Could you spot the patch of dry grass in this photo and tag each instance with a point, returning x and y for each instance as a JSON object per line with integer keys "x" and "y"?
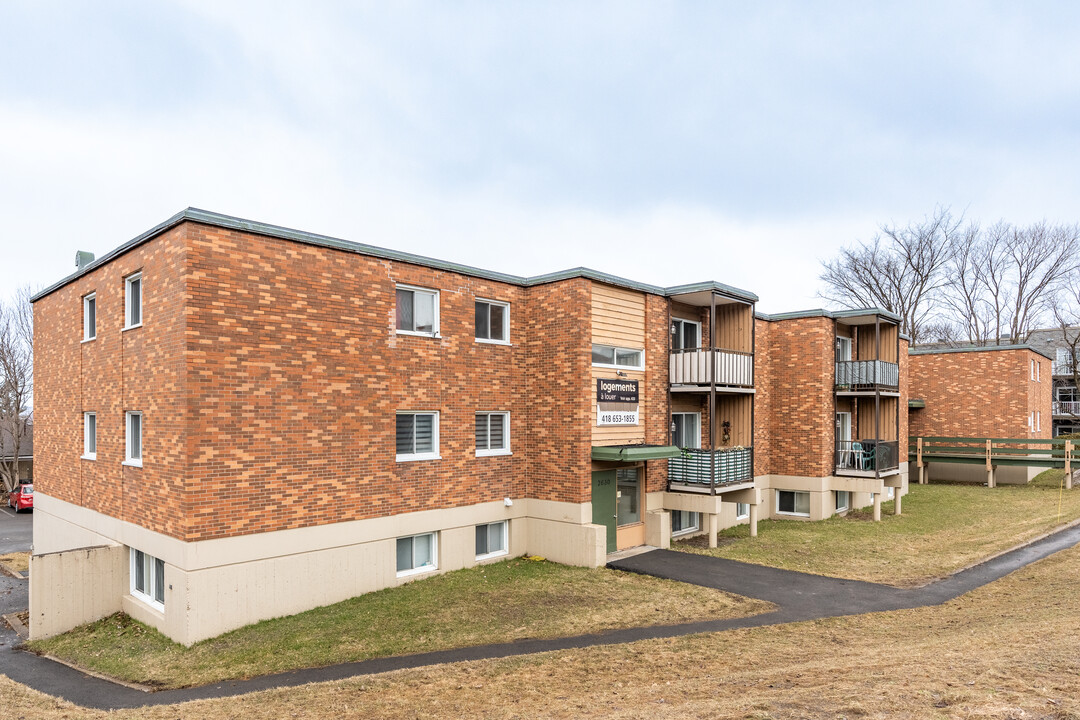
{"x": 19, "y": 562}
{"x": 944, "y": 528}
{"x": 494, "y": 603}
{"x": 1008, "y": 650}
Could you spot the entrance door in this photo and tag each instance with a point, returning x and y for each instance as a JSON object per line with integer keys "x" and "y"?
{"x": 631, "y": 530}
{"x": 603, "y": 503}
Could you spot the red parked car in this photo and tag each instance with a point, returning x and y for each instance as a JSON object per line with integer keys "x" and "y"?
{"x": 22, "y": 497}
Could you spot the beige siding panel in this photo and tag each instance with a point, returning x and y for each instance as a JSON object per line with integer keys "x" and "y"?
{"x": 736, "y": 409}
{"x": 735, "y": 327}
{"x": 618, "y": 316}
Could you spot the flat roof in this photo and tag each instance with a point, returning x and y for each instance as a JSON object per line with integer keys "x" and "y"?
{"x": 976, "y": 348}
{"x": 228, "y": 222}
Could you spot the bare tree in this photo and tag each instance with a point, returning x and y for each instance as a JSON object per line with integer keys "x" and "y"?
{"x": 16, "y": 380}
{"x": 1043, "y": 258}
{"x": 902, "y": 270}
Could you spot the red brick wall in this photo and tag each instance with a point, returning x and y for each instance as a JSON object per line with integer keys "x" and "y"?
{"x": 558, "y": 338}
{"x": 658, "y": 420}
{"x": 141, "y": 369}
{"x": 763, "y": 374}
{"x": 978, "y": 394}
{"x": 797, "y": 418}
{"x": 905, "y": 393}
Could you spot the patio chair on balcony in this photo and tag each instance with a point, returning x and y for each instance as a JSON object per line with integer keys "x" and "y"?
{"x": 861, "y": 458}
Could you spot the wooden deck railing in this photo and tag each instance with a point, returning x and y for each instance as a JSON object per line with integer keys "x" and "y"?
{"x": 992, "y": 452}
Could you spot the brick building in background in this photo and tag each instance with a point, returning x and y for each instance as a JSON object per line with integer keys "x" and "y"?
{"x": 980, "y": 392}
{"x": 238, "y": 421}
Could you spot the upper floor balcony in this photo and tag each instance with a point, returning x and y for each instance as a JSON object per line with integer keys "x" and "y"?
{"x": 866, "y": 375}
{"x": 697, "y": 366}
{"x": 1063, "y": 367}
{"x": 1065, "y": 408}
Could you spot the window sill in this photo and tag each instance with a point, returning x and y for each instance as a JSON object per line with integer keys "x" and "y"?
{"x": 132, "y": 463}
{"x": 130, "y": 327}
{"x": 147, "y": 601}
{"x": 619, "y": 367}
{"x": 89, "y": 339}
{"x": 493, "y": 453}
{"x": 489, "y": 556}
{"x": 417, "y": 571}
{"x": 742, "y": 517}
{"x": 412, "y": 458}
{"x": 89, "y": 456}
{"x": 413, "y": 333}
{"x": 793, "y": 514}
{"x": 687, "y": 531}
{"x": 484, "y": 341}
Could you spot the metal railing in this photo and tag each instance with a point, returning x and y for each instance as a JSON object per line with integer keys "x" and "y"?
{"x": 691, "y": 366}
{"x": 733, "y": 465}
{"x": 867, "y": 455}
{"x": 1065, "y": 407}
{"x": 1062, "y": 367}
{"x": 855, "y": 374}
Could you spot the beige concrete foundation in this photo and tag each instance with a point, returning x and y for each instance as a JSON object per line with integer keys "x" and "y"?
{"x": 218, "y": 585}
{"x": 976, "y": 473}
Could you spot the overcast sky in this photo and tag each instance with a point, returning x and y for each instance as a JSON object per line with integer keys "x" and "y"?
{"x": 664, "y": 142}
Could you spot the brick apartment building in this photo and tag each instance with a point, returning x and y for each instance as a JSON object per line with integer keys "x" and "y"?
{"x": 980, "y": 392}
{"x": 1065, "y": 400}
{"x": 238, "y": 421}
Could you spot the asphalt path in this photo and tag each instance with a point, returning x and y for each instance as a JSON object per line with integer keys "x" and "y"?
{"x": 15, "y": 530}
{"x": 798, "y": 597}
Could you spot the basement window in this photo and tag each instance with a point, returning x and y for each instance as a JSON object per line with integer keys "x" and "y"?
{"x": 148, "y": 579}
{"x": 491, "y": 540}
{"x": 684, "y": 521}
{"x": 790, "y": 502}
{"x": 416, "y": 554}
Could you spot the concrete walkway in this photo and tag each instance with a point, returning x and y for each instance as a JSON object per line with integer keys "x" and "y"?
{"x": 798, "y": 596}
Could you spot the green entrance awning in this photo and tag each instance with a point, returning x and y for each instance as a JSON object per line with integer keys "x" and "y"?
{"x": 634, "y": 453}
{"x": 916, "y": 403}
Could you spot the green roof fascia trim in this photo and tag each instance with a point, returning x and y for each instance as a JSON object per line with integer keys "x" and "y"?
{"x": 834, "y": 314}
{"x": 234, "y": 223}
{"x": 916, "y": 403}
{"x": 976, "y": 348}
{"x": 633, "y": 453}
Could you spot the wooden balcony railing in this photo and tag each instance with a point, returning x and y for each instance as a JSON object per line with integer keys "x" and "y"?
{"x": 693, "y": 367}
{"x": 867, "y": 375}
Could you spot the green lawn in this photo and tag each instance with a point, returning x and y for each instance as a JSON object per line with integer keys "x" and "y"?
{"x": 505, "y": 601}
{"x": 943, "y": 528}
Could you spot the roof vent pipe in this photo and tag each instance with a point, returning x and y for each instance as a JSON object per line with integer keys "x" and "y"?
{"x": 83, "y": 258}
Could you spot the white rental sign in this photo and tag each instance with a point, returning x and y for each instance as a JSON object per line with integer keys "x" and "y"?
{"x": 616, "y": 417}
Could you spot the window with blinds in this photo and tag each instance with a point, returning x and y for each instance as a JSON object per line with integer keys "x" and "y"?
{"x": 417, "y": 435}
{"x": 493, "y": 433}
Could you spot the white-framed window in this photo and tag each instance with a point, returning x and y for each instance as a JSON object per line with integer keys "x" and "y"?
{"x": 133, "y": 436}
{"x": 742, "y": 511}
{"x": 617, "y": 357}
{"x": 148, "y": 579}
{"x": 491, "y": 540}
{"x": 492, "y": 322}
{"x": 417, "y": 436}
{"x": 684, "y": 521}
{"x": 843, "y": 349}
{"x": 791, "y": 502}
{"x": 417, "y": 311}
{"x": 492, "y": 433}
{"x": 416, "y": 554}
{"x": 1031, "y": 422}
{"x": 685, "y": 334}
{"x": 89, "y": 436}
{"x": 1038, "y": 372}
{"x": 686, "y": 430}
{"x": 890, "y": 493}
{"x": 1038, "y": 421}
{"x": 843, "y": 500}
{"x": 89, "y": 316}
{"x": 133, "y": 295}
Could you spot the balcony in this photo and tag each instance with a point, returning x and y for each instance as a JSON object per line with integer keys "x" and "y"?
{"x": 1062, "y": 367}
{"x": 867, "y": 458}
{"x": 693, "y": 470}
{"x": 692, "y": 366}
{"x": 1065, "y": 408}
{"x": 858, "y": 375}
